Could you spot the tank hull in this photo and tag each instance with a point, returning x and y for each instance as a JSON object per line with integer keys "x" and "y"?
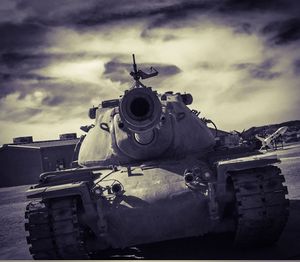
{"x": 155, "y": 205}
{"x": 154, "y": 202}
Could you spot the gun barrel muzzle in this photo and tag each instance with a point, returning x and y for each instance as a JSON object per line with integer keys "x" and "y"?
{"x": 140, "y": 109}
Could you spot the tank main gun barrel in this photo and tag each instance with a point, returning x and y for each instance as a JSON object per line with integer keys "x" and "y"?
{"x": 140, "y": 110}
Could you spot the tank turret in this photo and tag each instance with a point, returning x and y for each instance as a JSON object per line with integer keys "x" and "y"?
{"x": 144, "y": 125}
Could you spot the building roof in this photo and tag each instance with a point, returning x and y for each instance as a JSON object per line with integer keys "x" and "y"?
{"x": 46, "y": 144}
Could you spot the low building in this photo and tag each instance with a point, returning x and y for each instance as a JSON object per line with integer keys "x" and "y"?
{"x": 23, "y": 161}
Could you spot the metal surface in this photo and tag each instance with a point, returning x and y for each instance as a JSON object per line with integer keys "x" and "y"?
{"x": 150, "y": 171}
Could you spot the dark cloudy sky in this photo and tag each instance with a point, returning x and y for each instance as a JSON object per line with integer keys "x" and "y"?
{"x": 239, "y": 58}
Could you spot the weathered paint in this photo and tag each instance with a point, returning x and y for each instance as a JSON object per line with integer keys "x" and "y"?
{"x": 155, "y": 205}
{"x": 180, "y": 133}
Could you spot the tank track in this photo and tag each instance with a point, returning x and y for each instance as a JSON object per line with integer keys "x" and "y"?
{"x": 261, "y": 207}
{"x": 54, "y": 231}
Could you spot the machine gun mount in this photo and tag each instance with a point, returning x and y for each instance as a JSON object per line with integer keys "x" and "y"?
{"x": 137, "y": 74}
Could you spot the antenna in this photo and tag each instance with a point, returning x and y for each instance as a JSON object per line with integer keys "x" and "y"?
{"x": 134, "y": 64}
{"x": 135, "y": 72}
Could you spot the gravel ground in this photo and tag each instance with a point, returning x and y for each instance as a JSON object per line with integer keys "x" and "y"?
{"x": 12, "y": 232}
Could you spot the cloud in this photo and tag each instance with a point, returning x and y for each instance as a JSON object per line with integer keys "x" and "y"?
{"x": 159, "y": 13}
{"x": 57, "y": 59}
{"x": 22, "y": 114}
{"x": 105, "y": 12}
{"x": 10, "y": 13}
{"x": 264, "y": 75}
{"x": 13, "y": 112}
{"x": 240, "y": 93}
{"x": 93, "y": 12}
{"x": 21, "y": 83}
{"x": 284, "y": 31}
{"x": 25, "y": 36}
{"x": 260, "y": 71}
{"x": 12, "y": 59}
{"x": 244, "y": 28}
{"x": 6, "y": 88}
{"x": 119, "y": 71}
{"x": 53, "y": 100}
{"x": 296, "y": 66}
{"x": 25, "y": 72}
{"x": 253, "y": 5}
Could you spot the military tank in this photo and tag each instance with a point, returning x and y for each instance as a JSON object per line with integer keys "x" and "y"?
{"x": 149, "y": 170}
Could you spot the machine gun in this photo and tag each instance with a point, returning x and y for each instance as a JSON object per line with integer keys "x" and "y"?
{"x": 137, "y": 74}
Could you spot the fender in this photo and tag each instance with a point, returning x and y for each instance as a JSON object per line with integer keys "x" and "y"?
{"x": 93, "y": 216}
{"x": 225, "y": 167}
{"x": 62, "y": 190}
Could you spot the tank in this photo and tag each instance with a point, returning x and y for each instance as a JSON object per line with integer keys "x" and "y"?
{"x": 149, "y": 169}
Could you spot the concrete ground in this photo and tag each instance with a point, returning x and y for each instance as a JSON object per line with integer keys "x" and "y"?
{"x": 13, "y": 243}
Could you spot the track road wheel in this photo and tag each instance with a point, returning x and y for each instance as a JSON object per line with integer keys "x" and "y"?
{"x": 261, "y": 207}
{"x": 54, "y": 230}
